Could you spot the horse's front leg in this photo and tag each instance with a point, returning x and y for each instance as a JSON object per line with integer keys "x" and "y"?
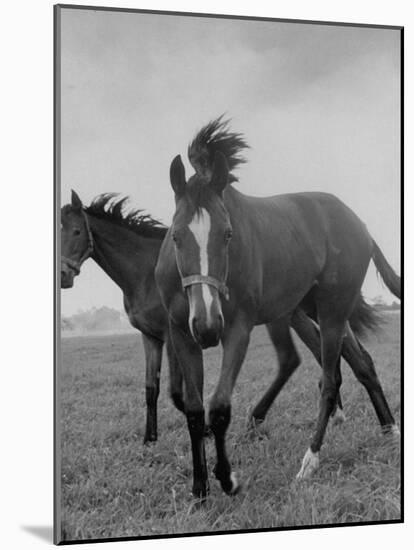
{"x": 153, "y": 356}
{"x": 235, "y": 342}
{"x": 190, "y": 360}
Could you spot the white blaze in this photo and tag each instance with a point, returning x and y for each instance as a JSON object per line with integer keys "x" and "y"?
{"x": 200, "y": 227}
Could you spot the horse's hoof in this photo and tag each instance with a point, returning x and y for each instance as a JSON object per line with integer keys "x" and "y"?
{"x": 200, "y": 492}
{"x": 148, "y": 439}
{"x": 256, "y": 427}
{"x": 229, "y": 484}
{"x": 310, "y": 464}
{"x": 393, "y": 432}
{"x": 338, "y": 417}
{"x": 255, "y": 423}
{"x": 235, "y": 485}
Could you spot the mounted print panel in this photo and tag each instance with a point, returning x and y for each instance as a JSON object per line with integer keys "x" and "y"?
{"x": 228, "y": 206}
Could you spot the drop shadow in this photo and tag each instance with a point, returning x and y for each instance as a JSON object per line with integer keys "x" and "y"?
{"x": 44, "y": 532}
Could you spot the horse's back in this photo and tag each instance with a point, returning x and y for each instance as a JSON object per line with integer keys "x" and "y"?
{"x": 347, "y": 242}
{"x": 313, "y": 217}
{"x": 295, "y": 240}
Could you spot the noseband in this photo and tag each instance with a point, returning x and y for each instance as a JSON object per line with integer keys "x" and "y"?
{"x": 207, "y": 279}
{"x": 76, "y": 265}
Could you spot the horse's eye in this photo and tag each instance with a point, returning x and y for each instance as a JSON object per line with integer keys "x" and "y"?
{"x": 228, "y": 234}
{"x": 76, "y": 232}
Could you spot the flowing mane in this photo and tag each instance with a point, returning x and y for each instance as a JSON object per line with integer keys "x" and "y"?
{"x": 213, "y": 137}
{"x": 108, "y": 206}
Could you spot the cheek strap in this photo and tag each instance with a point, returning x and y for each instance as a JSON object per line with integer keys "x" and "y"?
{"x": 75, "y": 265}
{"x": 212, "y": 281}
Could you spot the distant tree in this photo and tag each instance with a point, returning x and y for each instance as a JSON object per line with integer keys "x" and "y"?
{"x": 380, "y": 304}
{"x": 66, "y": 324}
{"x": 95, "y": 319}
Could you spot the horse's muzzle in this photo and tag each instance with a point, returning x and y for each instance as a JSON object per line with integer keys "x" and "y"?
{"x": 66, "y": 279}
{"x": 205, "y": 319}
{"x": 207, "y": 336}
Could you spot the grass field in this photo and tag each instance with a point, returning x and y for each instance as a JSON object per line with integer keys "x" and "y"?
{"x": 113, "y": 486}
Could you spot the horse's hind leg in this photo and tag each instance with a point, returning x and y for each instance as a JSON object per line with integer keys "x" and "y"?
{"x": 337, "y": 414}
{"x": 362, "y": 365}
{"x": 288, "y": 359}
{"x": 332, "y": 325}
{"x": 307, "y": 331}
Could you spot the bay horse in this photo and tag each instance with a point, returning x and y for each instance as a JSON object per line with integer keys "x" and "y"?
{"x": 231, "y": 261}
{"x": 126, "y": 247}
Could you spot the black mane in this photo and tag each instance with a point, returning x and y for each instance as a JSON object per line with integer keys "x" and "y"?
{"x": 106, "y": 207}
{"x": 213, "y": 137}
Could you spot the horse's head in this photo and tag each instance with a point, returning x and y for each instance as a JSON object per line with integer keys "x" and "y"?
{"x": 76, "y": 240}
{"x": 201, "y": 231}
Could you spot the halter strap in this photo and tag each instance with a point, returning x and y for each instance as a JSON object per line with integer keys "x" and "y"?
{"x": 207, "y": 279}
{"x": 74, "y": 264}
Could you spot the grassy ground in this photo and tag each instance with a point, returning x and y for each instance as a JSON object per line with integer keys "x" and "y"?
{"x": 113, "y": 486}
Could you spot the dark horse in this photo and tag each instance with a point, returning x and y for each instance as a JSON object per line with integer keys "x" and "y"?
{"x": 231, "y": 261}
{"x": 126, "y": 247}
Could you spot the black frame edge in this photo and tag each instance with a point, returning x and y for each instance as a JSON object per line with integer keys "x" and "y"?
{"x": 228, "y": 16}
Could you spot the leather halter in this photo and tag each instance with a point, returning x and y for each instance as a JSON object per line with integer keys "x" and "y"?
{"x": 207, "y": 279}
{"x": 76, "y": 265}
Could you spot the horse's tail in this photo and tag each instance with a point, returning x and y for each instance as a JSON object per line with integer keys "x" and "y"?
{"x": 390, "y": 278}
{"x": 364, "y": 318}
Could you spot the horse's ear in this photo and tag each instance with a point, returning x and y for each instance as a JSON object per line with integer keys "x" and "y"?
{"x": 220, "y": 176}
{"x": 76, "y": 202}
{"x": 177, "y": 176}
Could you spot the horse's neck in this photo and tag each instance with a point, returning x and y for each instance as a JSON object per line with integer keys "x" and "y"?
{"x": 236, "y": 202}
{"x": 233, "y": 195}
{"x": 127, "y": 258}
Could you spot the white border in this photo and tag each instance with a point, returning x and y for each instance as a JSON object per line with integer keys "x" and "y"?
{"x": 26, "y": 273}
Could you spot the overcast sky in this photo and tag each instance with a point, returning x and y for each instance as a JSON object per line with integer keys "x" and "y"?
{"x": 319, "y": 106}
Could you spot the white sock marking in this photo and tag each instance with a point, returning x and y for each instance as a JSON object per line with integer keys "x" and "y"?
{"x": 395, "y": 432}
{"x": 310, "y": 463}
{"x": 200, "y": 227}
{"x": 234, "y": 481}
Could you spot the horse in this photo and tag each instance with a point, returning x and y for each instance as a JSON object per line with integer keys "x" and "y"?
{"x": 126, "y": 247}
{"x": 231, "y": 261}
